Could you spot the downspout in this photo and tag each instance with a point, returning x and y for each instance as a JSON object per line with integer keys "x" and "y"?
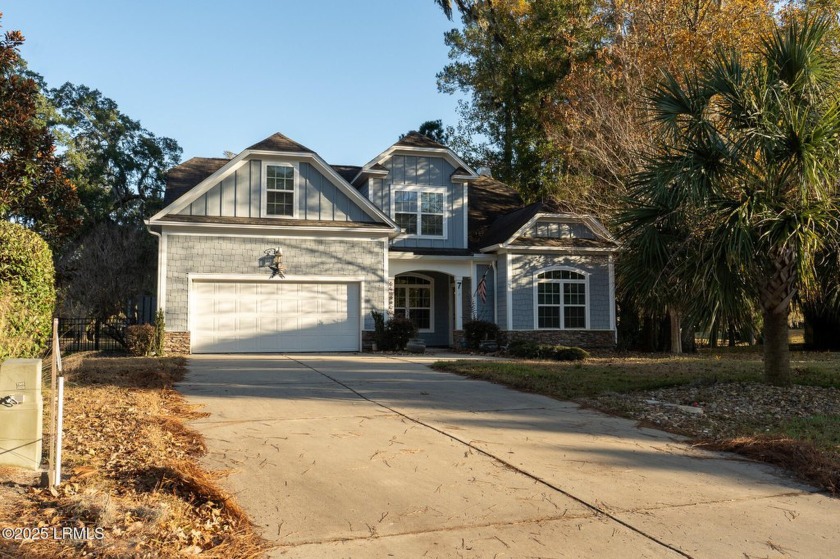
{"x": 160, "y": 301}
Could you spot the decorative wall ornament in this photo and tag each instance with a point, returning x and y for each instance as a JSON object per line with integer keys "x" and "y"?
{"x": 275, "y": 262}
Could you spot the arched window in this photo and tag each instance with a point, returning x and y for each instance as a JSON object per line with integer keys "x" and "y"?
{"x": 561, "y": 299}
{"x": 413, "y": 300}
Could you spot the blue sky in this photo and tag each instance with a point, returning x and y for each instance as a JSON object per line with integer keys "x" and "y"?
{"x": 344, "y": 78}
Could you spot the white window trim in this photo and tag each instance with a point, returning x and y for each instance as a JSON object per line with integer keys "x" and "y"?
{"x": 431, "y": 329}
{"x": 264, "y": 188}
{"x": 537, "y": 282}
{"x": 421, "y": 188}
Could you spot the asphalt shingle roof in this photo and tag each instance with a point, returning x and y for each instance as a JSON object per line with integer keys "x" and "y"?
{"x": 279, "y": 142}
{"x": 417, "y": 140}
{"x": 181, "y": 178}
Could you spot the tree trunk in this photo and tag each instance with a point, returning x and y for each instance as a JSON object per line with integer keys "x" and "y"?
{"x": 775, "y": 297}
{"x": 676, "y": 332}
{"x": 776, "y": 350}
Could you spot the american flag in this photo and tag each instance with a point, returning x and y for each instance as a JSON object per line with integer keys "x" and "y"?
{"x": 482, "y": 287}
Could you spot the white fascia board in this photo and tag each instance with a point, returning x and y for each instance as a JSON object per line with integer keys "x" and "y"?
{"x": 528, "y": 224}
{"x": 206, "y": 228}
{"x": 264, "y": 278}
{"x": 571, "y": 250}
{"x": 409, "y": 256}
{"x": 446, "y": 153}
{"x": 369, "y": 174}
{"x": 599, "y": 228}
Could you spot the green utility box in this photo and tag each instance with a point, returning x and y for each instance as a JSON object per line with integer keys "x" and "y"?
{"x": 21, "y": 413}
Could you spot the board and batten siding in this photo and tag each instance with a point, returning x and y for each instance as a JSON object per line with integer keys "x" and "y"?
{"x": 408, "y": 170}
{"x": 240, "y": 195}
{"x": 526, "y": 266}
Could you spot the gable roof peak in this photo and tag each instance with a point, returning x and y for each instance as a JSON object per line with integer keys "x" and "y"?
{"x": 279, "y": 142}
{"x": 417, "y": 140}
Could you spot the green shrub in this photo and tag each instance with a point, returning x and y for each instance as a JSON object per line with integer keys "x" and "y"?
{"x": 27, "y": 287}
{"x": 476, "y": 331}
{"x": 563, "y": 353}
{"x": 140, "y": 339}
{"x": 160, "y": 333}
{"x": 524, "y": 349}
{"x": 397, "y": 333}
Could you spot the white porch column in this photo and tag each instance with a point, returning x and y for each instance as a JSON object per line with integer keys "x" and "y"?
{"x": 459, "y": 303}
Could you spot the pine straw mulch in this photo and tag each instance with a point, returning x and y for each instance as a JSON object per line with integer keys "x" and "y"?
{"x": 749, "y": 418}
{"x": 130, "y": 469}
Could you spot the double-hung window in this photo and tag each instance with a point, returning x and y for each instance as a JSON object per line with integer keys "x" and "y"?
{"x": 419, "y": 212}
{"x": 279, "y": 190}
{"x": 413, "y": 300}
{"x": 561, "y": 299}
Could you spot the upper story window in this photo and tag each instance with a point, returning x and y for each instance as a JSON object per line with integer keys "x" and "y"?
{"x": 279, "y": 191}
{"x": 561, "y": 299}
{"x": 420, "y": 212}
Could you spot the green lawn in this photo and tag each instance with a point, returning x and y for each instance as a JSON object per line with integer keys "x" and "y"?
{"x": 628, "y": 373}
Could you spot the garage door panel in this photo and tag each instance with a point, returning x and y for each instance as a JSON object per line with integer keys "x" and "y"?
{"x": 240, "y": 317}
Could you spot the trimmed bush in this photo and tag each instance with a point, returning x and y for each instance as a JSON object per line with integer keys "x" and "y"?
{"x": 398, "y": 331}
{"x": 524, "y": 349}
{"x": 140, "y": 339}
{"x": 477, "y": 331}
{"x": 27, "y": 291}
{"x": 563, "y": 353}
{"x": 527, "y": 349}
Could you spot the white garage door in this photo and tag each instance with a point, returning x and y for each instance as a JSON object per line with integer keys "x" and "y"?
{"x": 269, "y": 317}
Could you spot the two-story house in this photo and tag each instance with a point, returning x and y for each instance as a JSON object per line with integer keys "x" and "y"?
{"x": 414, "y": 232}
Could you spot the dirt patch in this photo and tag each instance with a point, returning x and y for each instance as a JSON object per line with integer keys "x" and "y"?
{"x": 133, "y": 486}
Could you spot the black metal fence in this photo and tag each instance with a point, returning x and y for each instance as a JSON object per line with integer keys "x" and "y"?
{"x": 88, "y": 334}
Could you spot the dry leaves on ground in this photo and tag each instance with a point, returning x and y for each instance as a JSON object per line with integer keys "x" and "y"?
{"x": 748, "y": 418}
{"x": 131, "y": 470}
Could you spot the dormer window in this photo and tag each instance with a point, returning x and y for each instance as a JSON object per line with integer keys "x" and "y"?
{"x": 279, "y": 190}
{"x": 419, "y": 212}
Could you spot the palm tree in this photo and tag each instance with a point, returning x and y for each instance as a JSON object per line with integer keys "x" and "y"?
{"x": 747, "y": 161}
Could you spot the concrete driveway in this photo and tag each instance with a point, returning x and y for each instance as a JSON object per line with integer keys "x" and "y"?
{"x": 368, "y": 456}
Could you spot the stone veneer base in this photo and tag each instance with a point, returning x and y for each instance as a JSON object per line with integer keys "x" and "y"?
{"x": 176, "y": 343}
{"x": 573, "y": 338}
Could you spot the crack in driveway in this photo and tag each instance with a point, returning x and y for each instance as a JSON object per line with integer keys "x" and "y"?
{"x": 593, "y": 507}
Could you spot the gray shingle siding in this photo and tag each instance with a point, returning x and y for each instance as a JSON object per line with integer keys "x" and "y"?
{"x": 240, "y": 255}
{"x": 526, "y": 266}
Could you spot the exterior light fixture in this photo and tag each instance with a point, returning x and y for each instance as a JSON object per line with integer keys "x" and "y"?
{"x": 275, "y": 263}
